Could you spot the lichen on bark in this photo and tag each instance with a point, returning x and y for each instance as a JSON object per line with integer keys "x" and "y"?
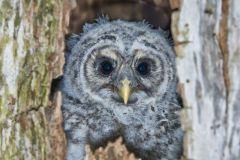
{"x": 29, "y": 32}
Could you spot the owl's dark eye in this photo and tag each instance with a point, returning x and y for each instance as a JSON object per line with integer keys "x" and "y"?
{"x": 143, "y": 68}
{"x": 106, "y": 67}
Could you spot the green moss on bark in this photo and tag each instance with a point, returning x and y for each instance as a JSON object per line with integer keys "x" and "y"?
{"x": 3, "y": 41}
{"x": 6, "y": 10}
{"x": 28, "y": 131}
{"x": 3, "y": 98}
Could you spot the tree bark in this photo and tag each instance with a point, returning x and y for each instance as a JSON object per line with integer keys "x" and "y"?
{"x": 206, "y": 35}
{"x": 31, "y": 55}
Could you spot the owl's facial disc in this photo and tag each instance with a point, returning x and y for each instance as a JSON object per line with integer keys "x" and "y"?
{"x": 123, "y": 80}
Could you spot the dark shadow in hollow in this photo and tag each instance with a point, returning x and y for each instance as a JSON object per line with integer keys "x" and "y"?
{"x": 156, "y": 12}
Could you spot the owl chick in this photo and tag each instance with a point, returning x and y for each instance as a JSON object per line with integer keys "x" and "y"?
{"x": 120, "y": 80}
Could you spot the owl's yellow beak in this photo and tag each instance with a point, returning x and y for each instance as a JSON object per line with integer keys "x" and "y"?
{"x": 125, "y": 90}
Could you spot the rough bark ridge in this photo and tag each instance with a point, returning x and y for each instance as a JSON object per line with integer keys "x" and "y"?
{"x": 206, "y": 35}
{"x": 31, "y": 54}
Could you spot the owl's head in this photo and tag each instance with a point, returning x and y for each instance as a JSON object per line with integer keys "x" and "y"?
{"x": 119, "y": 63}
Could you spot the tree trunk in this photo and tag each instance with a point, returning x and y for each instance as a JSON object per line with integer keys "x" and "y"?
{"x": 31, "y": 55}
{"x": 207, "y": 42}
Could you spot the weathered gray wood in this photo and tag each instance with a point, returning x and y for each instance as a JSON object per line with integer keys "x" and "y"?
{"x": 206, "y": 35}
{"x": 232, "y": 147}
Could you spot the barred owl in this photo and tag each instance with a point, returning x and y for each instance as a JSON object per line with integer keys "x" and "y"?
{"x": 120, "y": 80}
